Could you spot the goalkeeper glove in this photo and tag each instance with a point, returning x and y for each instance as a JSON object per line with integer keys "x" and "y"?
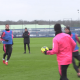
{"x": 45, "y": 52}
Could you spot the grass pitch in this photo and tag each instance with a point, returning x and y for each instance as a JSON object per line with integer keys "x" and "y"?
{"x": 34, "y": 66}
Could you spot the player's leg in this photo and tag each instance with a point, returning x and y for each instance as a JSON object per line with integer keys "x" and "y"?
{"x": 79, "y": 65}
{"x": 59, "y": 68}
{"x": 63, "y": 72}
{"x": 24, "y": 48}
{"x": 74, "y": 65}
{"x": 4, "y": 49}
{"x": 4, "y": 55}
{"x": 28, "y": 47}
{"x": 78, "y": 58}
{"x": 9, "y": 50}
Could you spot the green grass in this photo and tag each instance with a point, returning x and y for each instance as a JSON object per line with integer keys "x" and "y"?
{"x": 34, "y": 66}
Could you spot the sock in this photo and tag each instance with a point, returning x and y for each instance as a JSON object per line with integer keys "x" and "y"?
{"x": 3, "y": 59}
{"x": 6, "y": 60}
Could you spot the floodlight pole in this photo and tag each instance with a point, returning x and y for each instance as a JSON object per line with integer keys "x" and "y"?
{"x": 35, "y": 24}
{"x": 22, "y": 25}
{"x": 35, "y": 28}
{"x": 49, "y": 26}
{"x": 78, "y": 16}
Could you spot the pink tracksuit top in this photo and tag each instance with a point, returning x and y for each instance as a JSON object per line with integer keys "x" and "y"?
{"x": 63, "y": 46}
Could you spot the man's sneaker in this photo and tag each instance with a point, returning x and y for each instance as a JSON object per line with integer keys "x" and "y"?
{"x": 78, "y": 74}
{"x": 3, "y": 61}
{"x": 6, "y": 63}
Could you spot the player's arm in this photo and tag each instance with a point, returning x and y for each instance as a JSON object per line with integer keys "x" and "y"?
{"x": 12, "y": 35}
{"x": 73, "y": 44}
{"x": 2, "y": 35}
{"x": 77, "y": 39}
{"x": 12, "y": 38}
{"x": 54, "y": 49}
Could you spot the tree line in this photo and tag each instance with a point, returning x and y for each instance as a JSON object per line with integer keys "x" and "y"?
{"x": 70, "y": 23}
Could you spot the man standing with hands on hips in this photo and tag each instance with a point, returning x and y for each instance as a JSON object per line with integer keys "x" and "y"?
{"x": 26, "y": 36}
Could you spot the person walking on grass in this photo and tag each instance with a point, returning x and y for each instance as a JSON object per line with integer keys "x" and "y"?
{"x": 7, "y": 37}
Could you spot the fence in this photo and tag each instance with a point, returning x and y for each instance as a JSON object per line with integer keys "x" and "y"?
{"x": 41, "y": 32}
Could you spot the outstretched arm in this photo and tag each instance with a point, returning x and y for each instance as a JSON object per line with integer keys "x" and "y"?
{"x": 77, "y": 39}
{"x": 54, "y": 49}
{"x": 73, "y": 44}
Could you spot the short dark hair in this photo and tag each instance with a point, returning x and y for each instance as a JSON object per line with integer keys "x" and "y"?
{"x": 7, "y": 24}
{"x": 67, "y": 27}
{"x": 57, "y": 27}
{"x": 25, "y": 28}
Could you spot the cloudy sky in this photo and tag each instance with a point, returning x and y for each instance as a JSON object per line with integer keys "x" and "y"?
{"x": 39, "y": 10}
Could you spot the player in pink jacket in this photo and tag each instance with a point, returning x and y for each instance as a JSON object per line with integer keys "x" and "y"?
{"x": 63, "y": 46}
